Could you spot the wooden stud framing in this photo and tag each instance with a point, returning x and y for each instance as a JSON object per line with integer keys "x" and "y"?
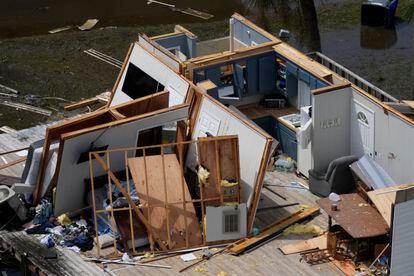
{"x": 130, "y": 201}
{"x": 148, "y": 205}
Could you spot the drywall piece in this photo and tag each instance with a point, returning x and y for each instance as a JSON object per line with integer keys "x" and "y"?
{"x": 221, "y": 159}
{"x": 402, "y": 241}
{"x": 161, "y": 175}
{"x": 71, "y": 174}
{"x": 157, "y": 70}
{"x": 226, "y": 222}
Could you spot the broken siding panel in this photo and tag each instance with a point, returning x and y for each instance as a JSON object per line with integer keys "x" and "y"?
{"x": 402, "y": 240}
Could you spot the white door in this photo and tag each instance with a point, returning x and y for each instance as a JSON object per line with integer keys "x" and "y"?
{"x": 362, "y": 130}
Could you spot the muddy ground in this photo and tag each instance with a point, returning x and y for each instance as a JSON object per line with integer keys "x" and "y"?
{"x": 55, "y": 66}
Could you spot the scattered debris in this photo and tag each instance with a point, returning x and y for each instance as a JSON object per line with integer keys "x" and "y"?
{"x": 7, "y": 129}
{"x": 160, "y": 3}
{"x": 320, "y": 242}
{"x": 196, "y": 13}
{"x": 188, "y": 257}
{"x": 61, "y": 29}
{"x": 271, "y": 230}
{"x": 88, "y": 25}
{"x": 200, "y": 269}
{"x": 299, "y": 229}
{"x": 27, "y": 107}
{"x": 284, "y": 34}
{"x": 105, "y": 58}
{"x": 14, "y": 91}
{"x": 101, "y": 98}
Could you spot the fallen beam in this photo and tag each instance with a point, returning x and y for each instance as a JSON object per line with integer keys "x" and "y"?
{"x": 268, "y": 232}
{"x": 27, "y": 107}
{"x": 12, "y": 163}
{"x": 7, "y": 129}
{"x": 9, "y": 89}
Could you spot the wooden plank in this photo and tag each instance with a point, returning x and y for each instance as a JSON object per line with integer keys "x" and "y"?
{"x": 384, "y": 203}
{"x": 409, "y": 103}
{"x": 81, "y": 103}
{"x": 12, "y": 163}
{"x": 320, "y": 242}
{"x": 273, "y": 229}
{"x": 129, "y": 199}
{"x": 27, "y": 107}
{"x": 156, "y": 195}
{"x": 299, "y": 58}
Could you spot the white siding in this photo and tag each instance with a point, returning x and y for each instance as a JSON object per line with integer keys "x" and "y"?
{"x": 331, "y": 127}
{"x": 251, "y": 143}
{"x": 148, "y": 63}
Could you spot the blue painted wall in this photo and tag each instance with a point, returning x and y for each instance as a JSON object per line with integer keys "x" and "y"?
{"x": 188, "y": 46}
{"x": 247, "y": 35}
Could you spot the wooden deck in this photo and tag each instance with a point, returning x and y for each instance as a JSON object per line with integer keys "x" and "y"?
{"x": 265, "y": 260}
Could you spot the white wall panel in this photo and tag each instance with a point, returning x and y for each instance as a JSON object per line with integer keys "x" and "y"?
{"x": 331, "y": 127}
{"x": 70, "y": 185}
{"x": 251, "y": 143}
{"x": 158, "y": 71}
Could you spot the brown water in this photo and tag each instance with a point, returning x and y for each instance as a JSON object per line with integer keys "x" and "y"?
{"x": 30, "y": 17}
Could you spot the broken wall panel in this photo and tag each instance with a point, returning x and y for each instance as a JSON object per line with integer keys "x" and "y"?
{"x": 254, "y": 146}
{"x": 120, "y": 134}
{"x": 146, "y": 69}
{"x": 134, "y": 108}
{"x": 221, "y": 159}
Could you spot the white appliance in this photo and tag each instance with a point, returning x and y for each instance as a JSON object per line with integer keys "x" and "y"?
{"x": 305, "y": 161}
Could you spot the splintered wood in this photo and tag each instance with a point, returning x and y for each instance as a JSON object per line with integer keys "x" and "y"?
{"x": 158, "y": 180}
{"x": 221, "y": 159}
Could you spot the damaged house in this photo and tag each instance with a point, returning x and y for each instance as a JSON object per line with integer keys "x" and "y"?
{"x": 184, "y": 155}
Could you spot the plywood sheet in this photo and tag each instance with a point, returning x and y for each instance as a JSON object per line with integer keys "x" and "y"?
{"x": 160, "y": 218}
{"x": 320, "y": 242}
{"x": 221, "y": 159}
{"x": 384, "y": 203}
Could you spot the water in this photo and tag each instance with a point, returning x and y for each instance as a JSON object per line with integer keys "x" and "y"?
{"x": 30, "y": 17}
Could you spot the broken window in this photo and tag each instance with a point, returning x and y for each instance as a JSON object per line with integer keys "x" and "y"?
{"x": 138, "y": 84}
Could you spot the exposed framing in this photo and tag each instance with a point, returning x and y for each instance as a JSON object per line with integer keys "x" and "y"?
{"x": 143, "y": 209}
